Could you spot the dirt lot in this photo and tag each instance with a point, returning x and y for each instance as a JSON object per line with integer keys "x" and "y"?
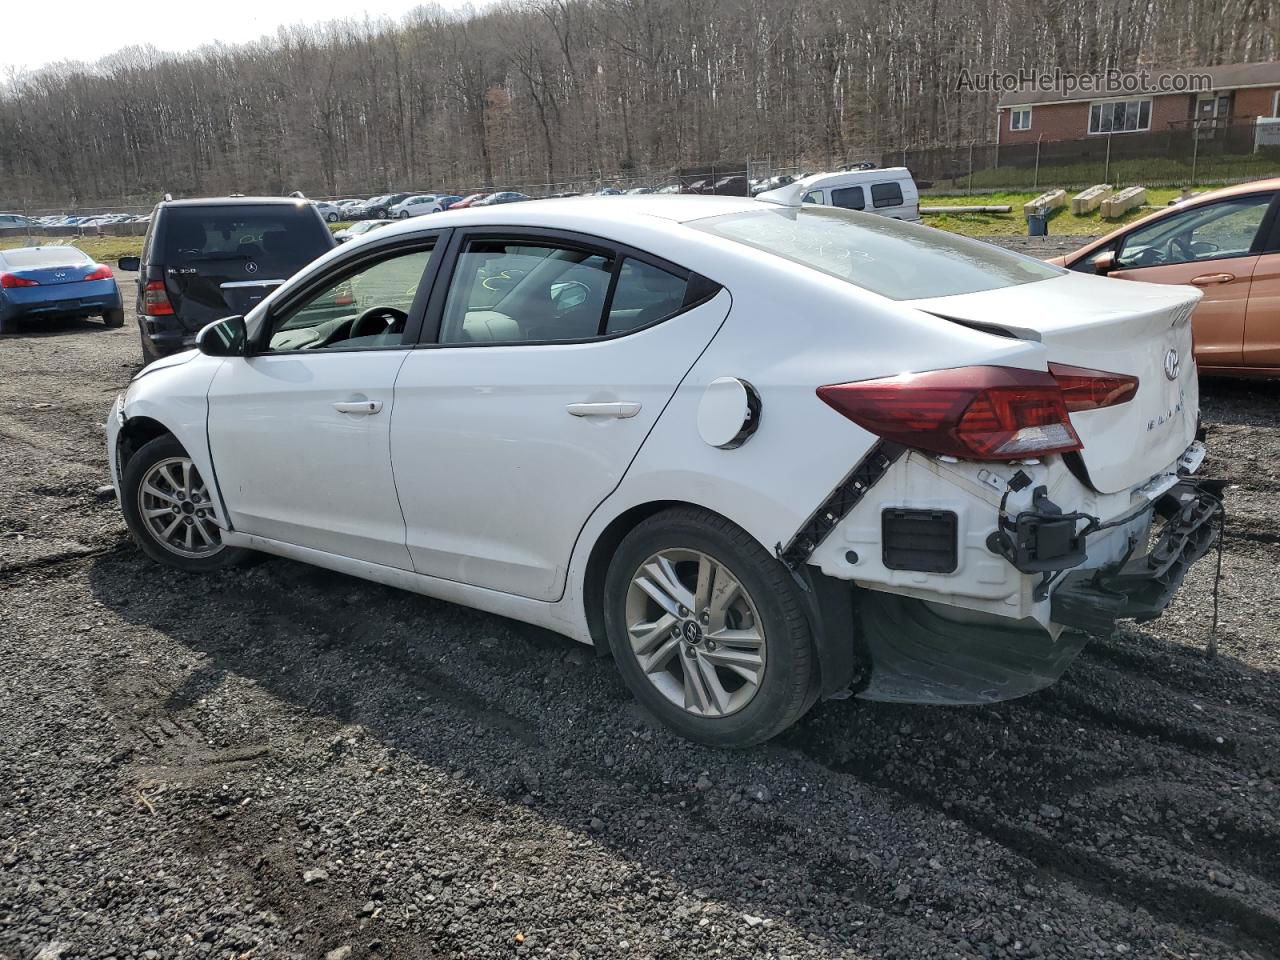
{"x": 282, "y": 762}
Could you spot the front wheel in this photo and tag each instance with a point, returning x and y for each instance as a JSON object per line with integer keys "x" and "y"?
{"x": 332, "y": 217}
{"x": 708, "y": 629}
{"x": 168, "y": 508}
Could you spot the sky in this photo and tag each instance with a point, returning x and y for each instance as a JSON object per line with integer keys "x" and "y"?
{"x": 84, "y": 30}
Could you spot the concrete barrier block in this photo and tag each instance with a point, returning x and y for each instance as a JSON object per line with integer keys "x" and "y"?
{"x": 1045, "y": 203}
{"x": 1121, "y": 203}
{"x": 1086, "y": 201}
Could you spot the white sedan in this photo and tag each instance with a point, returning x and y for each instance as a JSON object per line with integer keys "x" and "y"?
{"x": 758, "y": 453}
{"x": 418, "y": 205}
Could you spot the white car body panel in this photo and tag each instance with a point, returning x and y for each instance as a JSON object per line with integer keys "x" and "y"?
{"x": 484, "y": 430}
{"x": 324, "y": 481}
{"x": 818, "y": 187}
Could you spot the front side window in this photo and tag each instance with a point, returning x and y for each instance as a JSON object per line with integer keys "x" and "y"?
{"x": 1020, "y": 119}
{"x": 898, "y": 260}
{"x": 362, "y": 310}
{"x": 1120, "y": 116}
{"x": 1209, "y": 232}
{"x": 886, "y": 195}
{"x": 814, "y": 196}
{"x": 850, "y": 198}
{"x": 509, "y": 291}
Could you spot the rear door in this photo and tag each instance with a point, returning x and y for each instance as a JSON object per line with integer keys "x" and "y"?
{"x": 222, "y": 260}
{"x": 1262, "y": 316}
{"x": 555, "y": 356}
{"x": 1214, "y": 247}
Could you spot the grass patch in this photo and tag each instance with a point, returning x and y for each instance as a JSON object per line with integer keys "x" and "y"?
{"x": 1062, "y": 223}
{"x": 103, "y": 249}
{"x": 1152, "y": 169}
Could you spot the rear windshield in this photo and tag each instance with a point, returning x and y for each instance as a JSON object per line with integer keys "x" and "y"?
{"x": 44, "y": 257}
{"x": 898, "y": 260}
{"x": 277, "y": 236}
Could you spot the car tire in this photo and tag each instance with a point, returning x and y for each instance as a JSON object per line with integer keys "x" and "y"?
{"x": 162, "y": 465}
{"x": 404, "y": 214}
{"x": 750, "y": 652}
{"x": 113, "y": 318}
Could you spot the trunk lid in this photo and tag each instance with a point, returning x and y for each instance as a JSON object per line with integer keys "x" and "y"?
{"x": 1139, "y": 329}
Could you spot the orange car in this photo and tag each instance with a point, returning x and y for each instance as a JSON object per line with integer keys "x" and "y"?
{"x": 1227, "y": 243}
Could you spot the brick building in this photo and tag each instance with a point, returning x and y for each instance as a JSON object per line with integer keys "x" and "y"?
{"x": 1241, "y": 92}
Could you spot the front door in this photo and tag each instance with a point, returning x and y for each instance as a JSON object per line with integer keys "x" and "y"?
{"x": 555, "y": 357}
{"x": 1213, "y": 247}
{"x": 299, "y": 431}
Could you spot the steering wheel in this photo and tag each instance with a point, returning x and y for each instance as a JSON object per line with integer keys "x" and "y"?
{"x": 392, "y": 320}
{"x": 1185, "y": 250}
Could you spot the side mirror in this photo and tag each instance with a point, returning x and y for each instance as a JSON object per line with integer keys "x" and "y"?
{"x": 130, "y": 264}
{"x": 223, "y": 338}
{"x": 1104, "y": 263}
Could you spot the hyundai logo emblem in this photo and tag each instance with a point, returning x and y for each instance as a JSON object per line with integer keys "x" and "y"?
{"x": 250, "y": 267}
{"x": 1172, "y": 364}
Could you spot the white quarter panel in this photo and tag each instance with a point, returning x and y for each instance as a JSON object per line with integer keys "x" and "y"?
{"x": 292, "y": 468}
{"x": 496, "y": 476}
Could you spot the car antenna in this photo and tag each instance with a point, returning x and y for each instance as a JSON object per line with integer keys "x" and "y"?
{"x": 792, "y": 195}
{"x": 168, "y": 197}
{"x": 298, "y": 194}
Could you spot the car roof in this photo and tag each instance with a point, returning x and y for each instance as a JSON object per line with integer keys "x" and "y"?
{"x": 582, "y": 213}
{"x": 235, "y": 202}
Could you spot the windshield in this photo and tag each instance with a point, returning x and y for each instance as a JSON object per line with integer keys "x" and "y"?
{"x": 898, "y": 260}
{"x": 279, "y": 236}
{"x": 44, "y": 257}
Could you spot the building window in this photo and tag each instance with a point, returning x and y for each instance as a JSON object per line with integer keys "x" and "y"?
{"x": 1120, "y": 116}
{"x": 1020, "y": 118}
{"x": 1275, "y": 105}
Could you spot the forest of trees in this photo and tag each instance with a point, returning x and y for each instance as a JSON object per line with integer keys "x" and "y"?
{"x": 536, "y": 92}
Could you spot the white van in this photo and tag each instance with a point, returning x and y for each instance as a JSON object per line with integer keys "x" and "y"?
{"x": 888, "y": 191}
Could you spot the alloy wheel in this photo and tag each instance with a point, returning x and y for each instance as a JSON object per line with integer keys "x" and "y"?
{"x": 695, "y": 632}
{"x": 175, "y": 507}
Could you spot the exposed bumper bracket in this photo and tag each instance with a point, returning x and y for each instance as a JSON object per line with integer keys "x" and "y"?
{"x": 1139, "y": 588}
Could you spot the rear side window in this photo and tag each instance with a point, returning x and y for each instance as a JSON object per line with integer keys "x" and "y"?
{"x": 645, "y": 294}
{"x": 44, "y": 257}
{"x": 898, "y": 260}
{"x": 886, "y": 194}
{"x": 851, "y": 198}
{"x": 277, "y": 237}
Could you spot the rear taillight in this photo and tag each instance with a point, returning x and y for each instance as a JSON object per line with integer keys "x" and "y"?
{"x": 10, "y": 280}
{"x": 100, "y": 272}
{"x": 974, "y": 413}
{"x": 1084, "y": 389}
{"x": 155, "y": 301}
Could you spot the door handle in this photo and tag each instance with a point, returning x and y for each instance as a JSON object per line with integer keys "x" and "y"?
{"x": 620, "y": 410}
{"x": 358, "y": 407}
{"x": 1208, "y": 278}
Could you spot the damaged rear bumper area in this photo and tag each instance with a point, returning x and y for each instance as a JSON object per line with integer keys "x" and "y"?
{"x": 1140, "y": 587}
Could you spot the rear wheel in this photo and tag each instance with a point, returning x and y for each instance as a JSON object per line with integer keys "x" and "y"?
{"x": 168, "y": 508}
{"x": 708, "y": 629}
{"x": 332, "y": 217}
{"x": 149, "y": 352}
{"x": 113, "y": 318}
{"x": 404, "y": 214}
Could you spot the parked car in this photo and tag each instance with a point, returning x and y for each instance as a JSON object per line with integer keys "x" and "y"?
{"x": 417, "y": 205}
{"x": 331, "y": 212}
{"x": 448, "y": 200}
{"x": 206, "y": 258}
{"x": 12, "y": 221}
{"x": 38, "y": 283}
{"x": 502, "y": 196}
{"x": 607, "y": 192}
{"x": 358, "y": 229}
{"x": 949, "y": 451}
{"x": 351, "y": 209}
{"x": 1225, "y": 243}
{"x": 636, "y": 191}
{"x": 732, "y": 186}
{"x": 771, "y": 183}
{"x": 380, "y": 207}
{"x": 468, "y": 201}
{"x": 890, "y": 192}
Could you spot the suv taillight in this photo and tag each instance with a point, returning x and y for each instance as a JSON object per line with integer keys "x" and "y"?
{"x": 9, "y": 280}
{"x": 974, "y": 413}
{"x": 155, "y": 301}
{"x": 100, "y": 272}
{"x": 1084, "y": 389}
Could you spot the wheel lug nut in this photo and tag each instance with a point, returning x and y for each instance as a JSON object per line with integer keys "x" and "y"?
{"x": 684, "y": 611}
{"x": 188, "y": 521}
{"x": 711, "y": 644}
{"x": 706, "y": 617}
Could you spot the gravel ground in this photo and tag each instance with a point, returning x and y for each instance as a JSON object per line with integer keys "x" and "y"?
{"x": 283, "y": 762}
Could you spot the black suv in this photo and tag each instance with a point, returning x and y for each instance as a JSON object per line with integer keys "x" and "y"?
{"x": 206, "y": 259}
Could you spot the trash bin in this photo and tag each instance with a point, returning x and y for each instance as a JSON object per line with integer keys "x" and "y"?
{"x": 1037, "y": 224}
